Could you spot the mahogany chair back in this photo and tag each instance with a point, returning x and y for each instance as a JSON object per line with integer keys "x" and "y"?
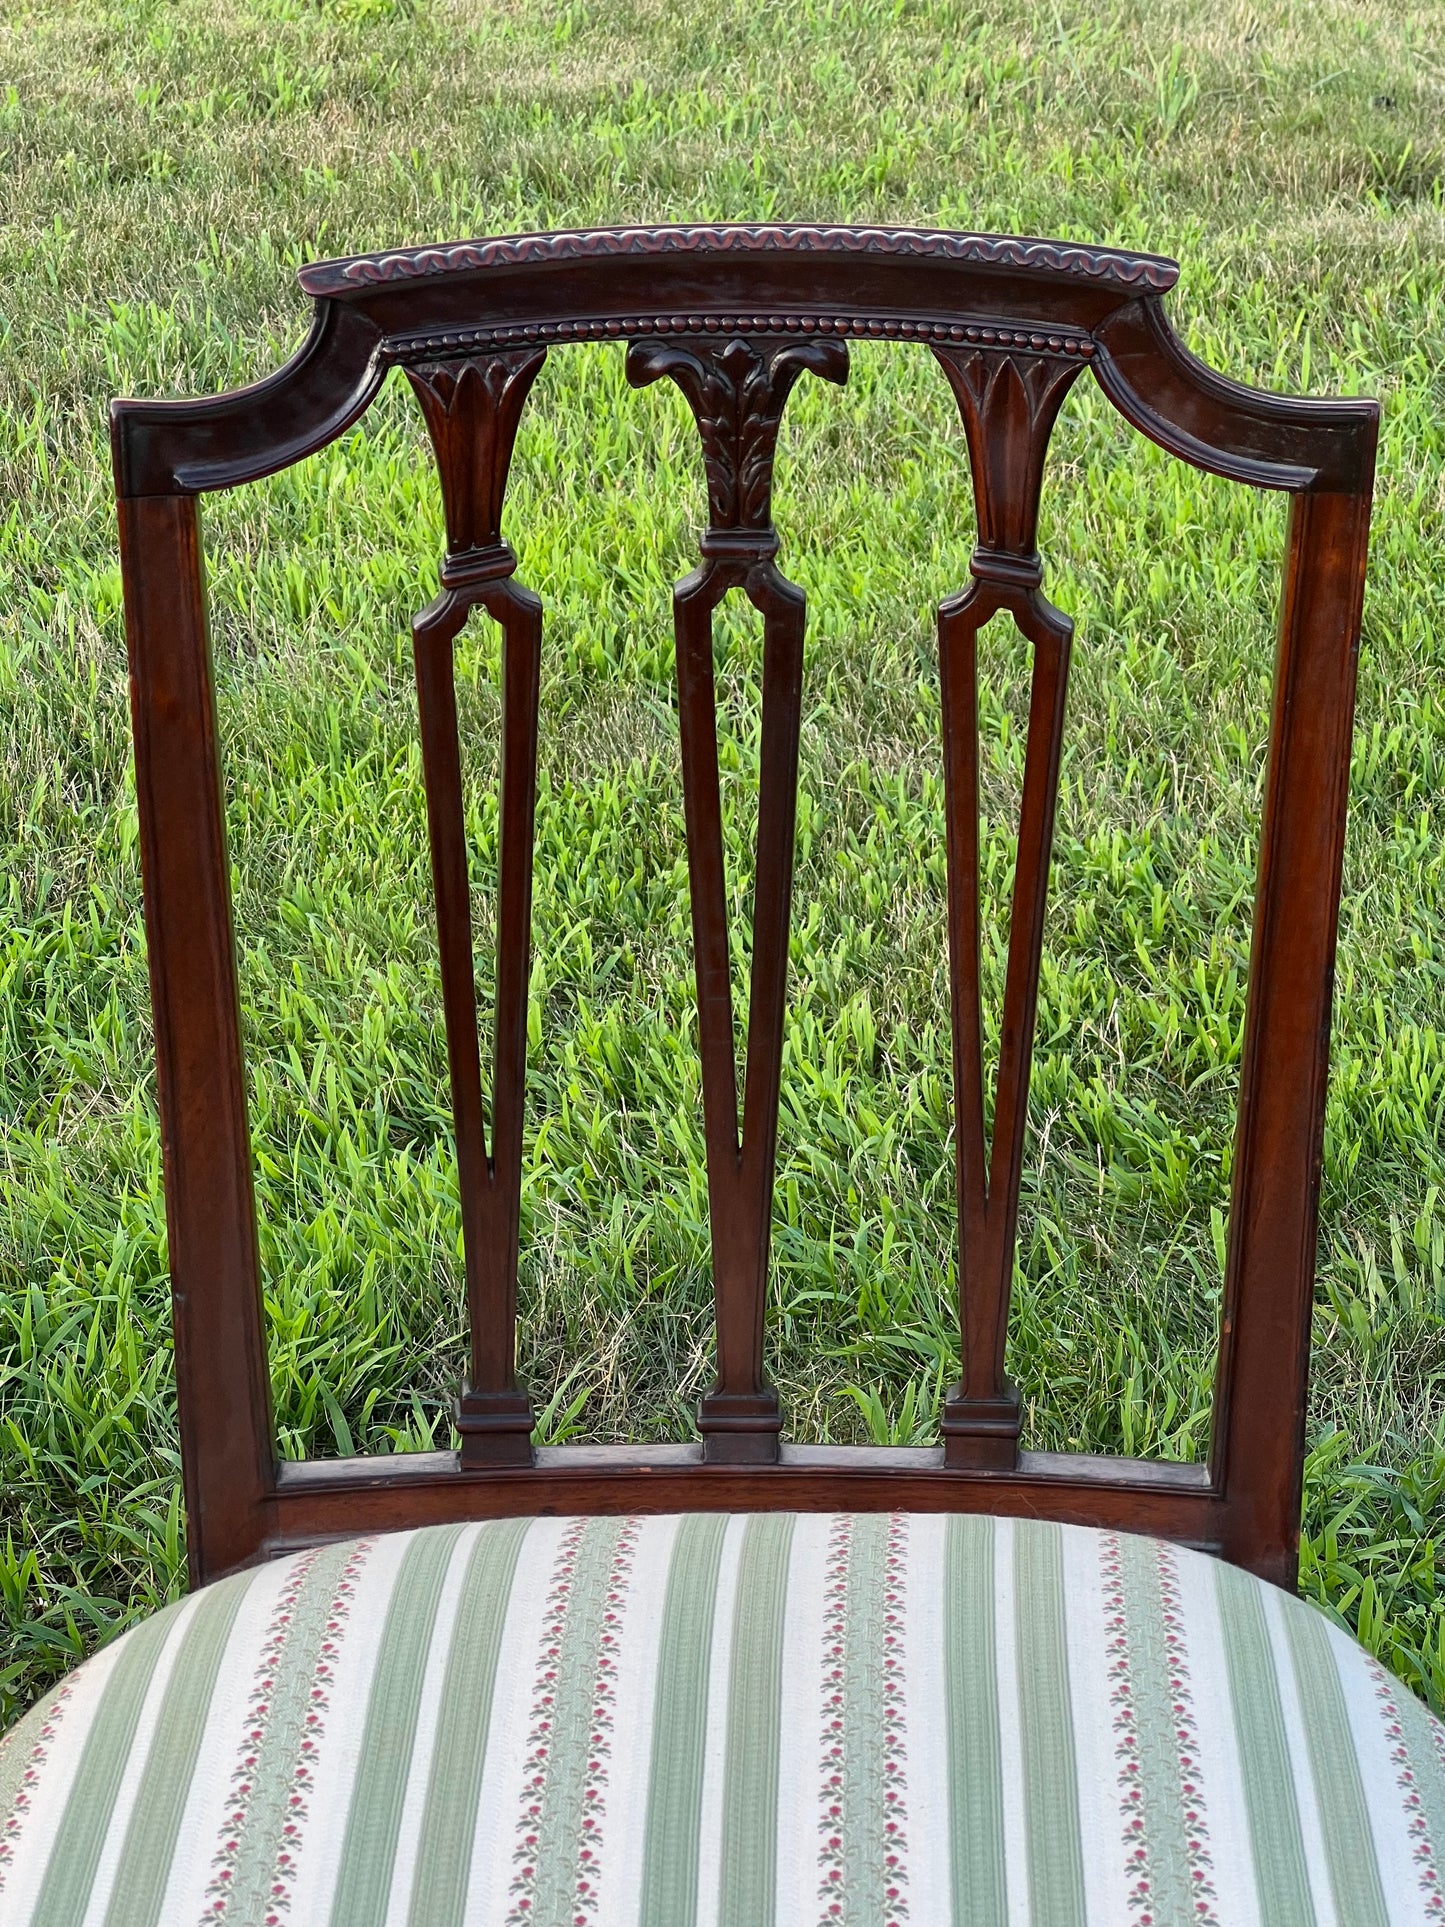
{"x": 734, "y": 316}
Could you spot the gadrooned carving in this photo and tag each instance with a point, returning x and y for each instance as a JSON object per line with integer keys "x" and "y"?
{"x": 1146, "y": 272}
{"x": 737, "y": 392}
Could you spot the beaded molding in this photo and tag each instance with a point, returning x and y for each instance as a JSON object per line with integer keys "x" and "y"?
{"x": 1038, "y": 341}
{"x": 1150, "y": 271}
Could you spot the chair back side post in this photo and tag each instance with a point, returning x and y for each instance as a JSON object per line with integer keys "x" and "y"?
{"x": 735, "y": 316}
{"x": 227, "y": 1449}
{"x": 1263, "y": 1370}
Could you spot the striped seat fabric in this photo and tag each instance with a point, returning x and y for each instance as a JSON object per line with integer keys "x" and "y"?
{"x": 728, "y": 1722}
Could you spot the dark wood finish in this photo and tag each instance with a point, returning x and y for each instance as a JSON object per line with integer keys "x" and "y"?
{"x": 737, "y": 388}
{"x": 335, "y": 1500}
{"x": 1009, "y": 400}
{"x": 1257, "y": 1456}
{"x": 227, "y": 1448}
{"x": 472, "y": 408}
{"x": 734, "y": 315}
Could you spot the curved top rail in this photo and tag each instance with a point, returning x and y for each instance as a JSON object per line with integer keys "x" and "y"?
{"x": 1247, "y": 435}
{"x": 951, "y": 290}
{"x": 1152, "y": 272}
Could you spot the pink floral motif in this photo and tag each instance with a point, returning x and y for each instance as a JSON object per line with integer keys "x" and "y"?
{"x": 20, "y": 1809}
{"x": 1416, "y": 1823}
{"x": 886, "y": 1741}
{"x": 544, "y": 1706}
{"x": 1129, "y": 1750}
{"x": 542, "y": 1760}
{"x": 260, "y": 1709}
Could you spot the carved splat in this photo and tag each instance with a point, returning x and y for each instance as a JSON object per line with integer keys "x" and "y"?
{"x": 472, "y": 408}
{"x": 738, "y": 389}
{"x": 1009, "y": 404}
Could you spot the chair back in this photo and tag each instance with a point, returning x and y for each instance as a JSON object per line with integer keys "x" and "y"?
{"x": 736, "y": 316}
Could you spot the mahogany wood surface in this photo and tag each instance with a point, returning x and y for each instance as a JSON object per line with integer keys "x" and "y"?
{"x": 735, "y": 316}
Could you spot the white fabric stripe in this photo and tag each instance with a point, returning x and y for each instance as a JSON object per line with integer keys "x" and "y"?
{"x": 338, "y": 1746}
{"x": 1010, "y": 1711}
{"x": 1369, "y": 1717}
{"x": 1306, "y": 1796}
{"x": 145, "y": 1728}
{"x": 403, "y": 1870}
{"x": 709, "y": 1870}
{"x": 629, "y": 1767}
{"x": 800, "y": 1728}
{"x": 1231, "y": 1852}
{"x": 494, "y": 1842}
{"x": 208, "y": 1800}
{"x": 1096, "y": 1756}
{"x": 930, "y": 1871}
{"x": 56, "y": 1777}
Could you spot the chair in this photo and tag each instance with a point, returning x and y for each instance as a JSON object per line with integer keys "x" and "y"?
{"x": 738, "y": 1681}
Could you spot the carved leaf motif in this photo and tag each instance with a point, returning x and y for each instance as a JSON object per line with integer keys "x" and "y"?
{"x": 1009, "y": 402}
{"x": 1013, "y": 402}
{"x": 737, "y": 395}
{"x": 472, "y": 406}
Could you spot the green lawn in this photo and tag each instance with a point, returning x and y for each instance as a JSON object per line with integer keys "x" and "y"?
{"x": 164, "y": 166}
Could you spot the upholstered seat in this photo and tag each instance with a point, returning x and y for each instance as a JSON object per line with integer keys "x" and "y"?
{"x": 713, "y": 1721}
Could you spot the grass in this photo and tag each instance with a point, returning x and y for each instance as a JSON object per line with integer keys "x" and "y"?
{"x": 164, "y": 165}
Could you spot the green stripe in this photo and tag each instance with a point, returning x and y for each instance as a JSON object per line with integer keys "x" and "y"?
{"x": 562, "y": 1804}
{"x": 679, "y": 1725}
{"x": 444, "y": 1852}
{"x": 363, "y": 1886}
{"x": 1274, "y": 1829}
{"x": 75, "y": 1854}
{"x": 867, "y": 1810}
{"x": 975, "y": 1766}
{"x": 1051, "y": 1786}
{"x": 289, "y": 1706}
{"x": 1173, "y": 1893}
{"x": 155, "y": 1823}
{"x": 1344, "y": 1816}
{"x": 750, "y": 1787}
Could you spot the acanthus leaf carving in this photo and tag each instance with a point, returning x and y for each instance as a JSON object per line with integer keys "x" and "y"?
{"x": 737, "y": 391}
